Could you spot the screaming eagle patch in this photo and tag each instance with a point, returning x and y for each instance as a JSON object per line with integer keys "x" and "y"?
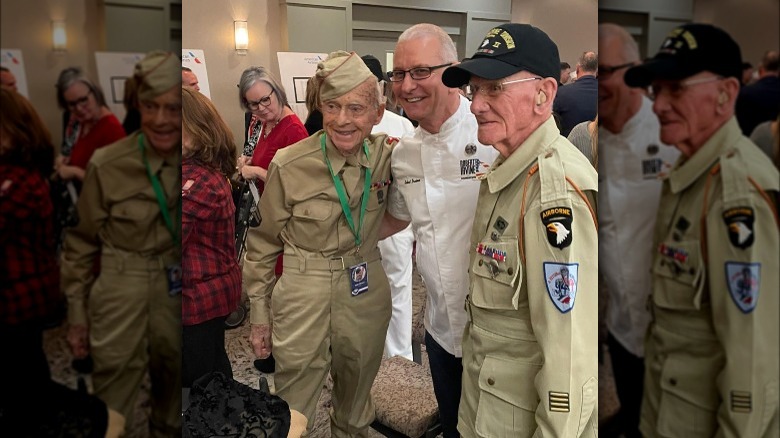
{"x": 561, "y": 282}
{"x": 739, "y": 222}
{"x": 557, "y": 221}
{"x": 743, "y": 280}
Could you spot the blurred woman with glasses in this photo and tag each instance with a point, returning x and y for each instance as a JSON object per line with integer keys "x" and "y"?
{"x": 91, "y": 125}
{"x": 273, "y": 124}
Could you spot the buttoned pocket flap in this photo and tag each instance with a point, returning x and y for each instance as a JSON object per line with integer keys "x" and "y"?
{"x": 313, "y": 210}
{"x": 510, "y": 381}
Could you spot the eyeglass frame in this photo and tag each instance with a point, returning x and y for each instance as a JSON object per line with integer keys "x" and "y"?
{"x": 73, "y": 104}
{"x": 607, "y": 71}
{"x": 256, "y": 105}
{"x": 482, "y": 89}
{"x": 409, "y": 72}
{"x": 681, "y": 86}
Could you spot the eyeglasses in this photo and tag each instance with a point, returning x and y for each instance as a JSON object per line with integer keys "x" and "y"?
{"x": 675, "y": 89}
{"x": 492, "y": 89}
{"x": 416, "y": 73}
{"x": 353, "y": 109}
{"x": 606, "y": 71}
{"x": 265, "y": 101}
{"x": 72, "y": 104}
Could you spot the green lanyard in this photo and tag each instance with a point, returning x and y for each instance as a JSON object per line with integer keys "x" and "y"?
{"x": 343, "y": 196}
{"x": 158, "y": 191}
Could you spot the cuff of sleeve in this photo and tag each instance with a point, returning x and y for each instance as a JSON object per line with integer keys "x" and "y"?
{"x": 77, "y": 312}
{"x": 260, "y": 313}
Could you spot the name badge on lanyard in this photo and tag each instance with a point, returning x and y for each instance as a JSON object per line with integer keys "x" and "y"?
{"x": 174, "y": 275}
{"x": 358, "y": 279}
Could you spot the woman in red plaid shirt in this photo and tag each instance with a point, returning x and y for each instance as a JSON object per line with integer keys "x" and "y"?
{"x": 29, "y": 274}
{"x": 212, "y": 278}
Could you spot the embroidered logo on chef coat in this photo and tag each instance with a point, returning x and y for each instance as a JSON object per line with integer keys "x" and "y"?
{"x": 473, "y": 168}
{"x": 739, "y": 221}
{"x": 651, "y": 168}
{"x": 561, "y": 282}
{"x": 558, "y": 222}
{"x": 743, "y": 280}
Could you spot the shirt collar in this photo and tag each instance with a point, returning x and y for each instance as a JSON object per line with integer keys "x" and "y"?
{"x": 686, "y": 172}
{"x": 505, "y": 170}
{"x": 337, "y": 160}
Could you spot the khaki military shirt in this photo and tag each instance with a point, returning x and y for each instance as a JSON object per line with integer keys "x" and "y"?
{"x": 713, "y": 345}
{"x": 531, "y": 345}
{"x": 302, "y": 215}
{"x": 119, "y": 213}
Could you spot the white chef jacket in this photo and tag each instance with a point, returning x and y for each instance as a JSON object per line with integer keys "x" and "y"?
{"x": 436, "y": 187}
{"x": 632, "y": 165}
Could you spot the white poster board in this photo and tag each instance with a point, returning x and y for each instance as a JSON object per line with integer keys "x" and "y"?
{"x": 13, "y": 61}
{"x": 296, "y": 69}
{"x": 195, "y": 60}
{"x": 113, "y": 69}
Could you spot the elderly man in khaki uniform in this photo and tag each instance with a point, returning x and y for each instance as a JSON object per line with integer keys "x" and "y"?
{"x": 322, "y": 206}
{"x": 530, "y": 347}
{"x": 711, "y": 351}
{"x": 128, "y": 316}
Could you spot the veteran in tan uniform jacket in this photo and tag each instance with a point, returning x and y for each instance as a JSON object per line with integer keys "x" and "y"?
{"x": 530, "y": 347}
{"x": 323, "y": 204}
{"x": 128, "y": 315}
{"x": 711, "y": 351}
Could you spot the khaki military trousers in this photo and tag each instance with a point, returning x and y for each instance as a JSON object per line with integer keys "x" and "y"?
{"x": 318, "y": 326}
{"x": 134, "y": 326}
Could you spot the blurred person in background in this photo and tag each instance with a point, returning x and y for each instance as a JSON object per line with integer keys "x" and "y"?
{"x": 128, "y": 316}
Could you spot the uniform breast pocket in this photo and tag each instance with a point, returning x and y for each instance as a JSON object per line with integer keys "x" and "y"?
{"x": 132, "y": 218}
{"x": 497, "y": 269}
{"x": 309, "y": 223}
{"x": 679, "y": 275}
{"x": 377, "y": 198}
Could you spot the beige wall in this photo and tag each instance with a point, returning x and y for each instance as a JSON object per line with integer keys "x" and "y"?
{"x": 26, "y": 25}
{"x": 572, "y": 24}
{"x": 754, "y": 25}
{"x": 208, "y": 25}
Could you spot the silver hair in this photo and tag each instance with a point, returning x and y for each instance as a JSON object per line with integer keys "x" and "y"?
{"x": 630, "y": 49}
{"x": 70, "y": 76}
{"x": 447, "y": 52}
{"x": 253, "y": 75}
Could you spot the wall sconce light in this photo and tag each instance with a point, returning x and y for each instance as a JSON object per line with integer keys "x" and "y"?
{"x": 58, "y": 36}
{"x": 242, "y": 37}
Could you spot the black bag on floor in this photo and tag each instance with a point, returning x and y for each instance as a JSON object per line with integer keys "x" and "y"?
{"x": 219, "y": 406}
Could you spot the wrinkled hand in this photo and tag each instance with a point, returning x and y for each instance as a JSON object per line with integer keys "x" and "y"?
{"x": 242, "y": 161}
{"x": 248, "y": 172}
{"x": 78, "y": 339}
{"x": 260, "y": 338}
{"x": 60, "y": 161}
{"x": 66, "y": 172}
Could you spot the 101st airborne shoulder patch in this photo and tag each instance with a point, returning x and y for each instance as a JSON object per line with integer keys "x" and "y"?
{"x": 561, "y": 282}
{"x": 743, "y": 280}
{"x": 557, "y": 221}
{"x": 739, "y": 221}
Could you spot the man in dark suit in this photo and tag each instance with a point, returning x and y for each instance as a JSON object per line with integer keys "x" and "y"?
{"x": 758, "y": 102}
{"x": 578, "y": 102}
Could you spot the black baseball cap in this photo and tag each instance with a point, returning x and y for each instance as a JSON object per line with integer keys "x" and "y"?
{"x": 374, "y": 65}
{"x": 506, "y": 50}
{"x": 687, "y": 50}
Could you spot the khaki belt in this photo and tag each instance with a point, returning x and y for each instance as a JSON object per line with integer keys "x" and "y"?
{"x": 500, "y": 322}
{"x": 121, "y": 260}
{"x": 331, "y": 264}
